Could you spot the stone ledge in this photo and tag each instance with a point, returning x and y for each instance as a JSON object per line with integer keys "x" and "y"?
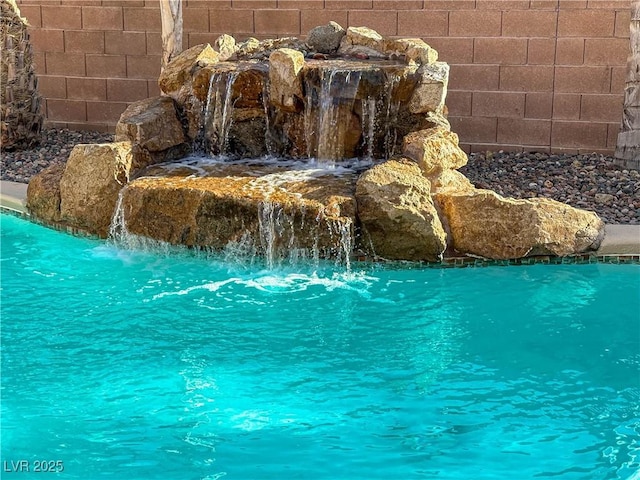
{"x": 620, "y": 240}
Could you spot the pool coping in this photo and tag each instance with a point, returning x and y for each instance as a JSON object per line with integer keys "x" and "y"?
{"x": 620, "y": 241}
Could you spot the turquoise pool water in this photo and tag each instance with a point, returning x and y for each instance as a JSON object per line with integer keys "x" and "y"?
{"x": 123, "y": 364}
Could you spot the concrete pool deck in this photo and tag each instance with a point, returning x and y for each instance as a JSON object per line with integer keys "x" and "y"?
{"x": 618, "y": 240}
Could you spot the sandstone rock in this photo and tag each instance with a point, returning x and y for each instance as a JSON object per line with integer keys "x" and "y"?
{"x": 288, "y": 135}
{"x": 483, "y": 223}
{"x": 250, "y": 50}
{"x": 434, "y": 149}
{"x": 437, "y": 120}
{"x": 181, "y": 69}
{"x": 431, "y": 91}
{"x": 397, "y": 214}
{"x": 152, "y": 123}
{"x": 250, "y": 46}
{"x": 247, "y": 136}
{"x": 326, "y": 38}
{"x": 414, "y": 50}
{"x": 266, "y": 209}
{"x": 362, "y": 41}
{"x": 285, "y": 79}
{"x": 142, "y": 157}
{"x": 89, "y": 187}
{"x": 226, "y": 46}
{"x": 449, "y": 181}
{"x": 43, "y": 194}
{"x": 342, "y": 133}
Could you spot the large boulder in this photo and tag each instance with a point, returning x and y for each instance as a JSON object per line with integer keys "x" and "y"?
{"x": 178, "y": 73}
{"x": 43, "y": 194}
{"x": 483, "y": 223}
{"x": 398, "y": 217}
{"x": 434, "y": 149}
{"x": 285, "y": 79}
{"x": 151, "y": 123}
{"x": 89, "y": 187}
{"x": 267, "y": 209}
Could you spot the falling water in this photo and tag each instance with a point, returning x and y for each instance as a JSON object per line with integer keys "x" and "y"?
{"x": 369, "y": 126}
{"x": 120, "y": 235}
{"x": 343, "y": 231}
{"x": 270, "y": 221}
{"x": 217, "y": 115}
{"x": 326, "y": 125}
{"x": 392, "y": 108}
{"x": 118, "y": 227}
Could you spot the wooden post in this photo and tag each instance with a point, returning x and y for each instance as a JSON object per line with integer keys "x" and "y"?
{"x": 628, "y": 145}
{"x": 171, "y": 15}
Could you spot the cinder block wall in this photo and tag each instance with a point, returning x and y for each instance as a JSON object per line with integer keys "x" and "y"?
{"x": 533, "y": 75}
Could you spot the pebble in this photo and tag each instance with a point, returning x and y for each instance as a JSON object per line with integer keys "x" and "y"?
{"x": 593, "y": 182}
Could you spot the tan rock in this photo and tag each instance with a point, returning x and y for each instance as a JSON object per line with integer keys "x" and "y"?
{"x": 362, "y": 41}
{"x": 253, "y": 49}
{"x": 180, "y": 70}
{"x": 397, "y": 214}
{"x": 434, "y": 149}
{"x": 226, "y": 46}
{"x": 483, "y": 223}
{"x": 414, "y": 50}
{"x": 89, "y": 187}
{"x": 266, "y": 209}
{"x": 151, "y": 123}
{"x": 449, "y": 181}
{"x": 285, "y": 79}
{"x": 247, "y": 48}
{"x": 431, "y": 91}
{"x": 43, "y": 194}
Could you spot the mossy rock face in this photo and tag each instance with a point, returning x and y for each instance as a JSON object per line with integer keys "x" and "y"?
{"x": 19, "y": 98}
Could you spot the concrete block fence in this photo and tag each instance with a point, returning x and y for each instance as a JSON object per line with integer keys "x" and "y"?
{"x": 532, "y": 75}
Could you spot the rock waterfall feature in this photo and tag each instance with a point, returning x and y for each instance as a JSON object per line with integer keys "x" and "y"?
{"x": 329, "y": 148}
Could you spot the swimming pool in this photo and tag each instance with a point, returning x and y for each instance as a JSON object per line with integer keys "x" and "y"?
{"x": 125, "y": 364}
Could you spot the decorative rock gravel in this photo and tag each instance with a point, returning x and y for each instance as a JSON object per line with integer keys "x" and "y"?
{"x": 54, "y": 148}
{"x": 592, "y": 182}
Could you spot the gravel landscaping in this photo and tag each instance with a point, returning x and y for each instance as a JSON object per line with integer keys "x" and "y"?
{"x": 592, "y": 182}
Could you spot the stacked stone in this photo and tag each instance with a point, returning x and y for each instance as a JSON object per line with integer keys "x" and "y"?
{"x": 21, "y": 120}
{"x": 416, "y": 206}
{"x": 288, "y": 80}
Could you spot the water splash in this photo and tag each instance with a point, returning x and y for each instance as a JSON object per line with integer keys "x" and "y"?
{"x": 120, "y": 236}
